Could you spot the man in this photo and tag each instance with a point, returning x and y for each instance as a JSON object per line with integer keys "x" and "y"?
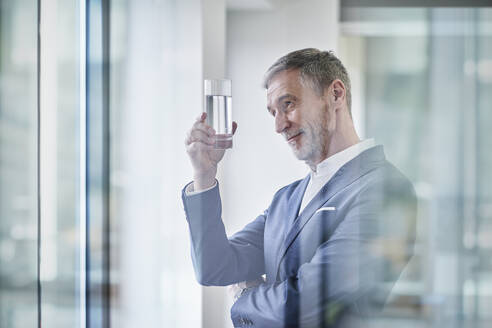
{"x": 332, "y": 244}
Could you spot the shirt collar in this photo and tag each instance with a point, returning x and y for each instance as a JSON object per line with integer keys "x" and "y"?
{"x": 330, "y": 165}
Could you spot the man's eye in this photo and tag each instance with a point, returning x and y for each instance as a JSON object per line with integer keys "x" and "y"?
{"x": 288, "y": 104}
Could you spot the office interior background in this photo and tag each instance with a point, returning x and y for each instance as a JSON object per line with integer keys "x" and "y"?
{"x": 95, "y": 101}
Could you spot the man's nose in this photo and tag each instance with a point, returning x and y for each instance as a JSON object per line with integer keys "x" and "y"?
{"x": 281, "y": 122}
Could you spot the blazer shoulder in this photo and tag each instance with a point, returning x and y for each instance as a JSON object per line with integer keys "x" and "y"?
{"x": 288, "y": 189}
{"x": 393, "y": 181}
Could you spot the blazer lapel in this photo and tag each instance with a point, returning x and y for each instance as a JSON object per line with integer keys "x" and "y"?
{"x": 347, "y": 174}
{"x": 295, "y": 201}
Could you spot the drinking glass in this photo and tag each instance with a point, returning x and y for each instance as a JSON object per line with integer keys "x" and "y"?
{"x": 218, "y": 106}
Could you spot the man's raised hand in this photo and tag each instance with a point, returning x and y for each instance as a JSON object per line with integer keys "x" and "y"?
{"x": 204, "y": 157}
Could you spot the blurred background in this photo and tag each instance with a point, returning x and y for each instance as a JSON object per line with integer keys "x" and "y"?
{"x": 95, "y": 101}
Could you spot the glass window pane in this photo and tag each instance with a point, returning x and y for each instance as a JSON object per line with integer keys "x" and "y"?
{"x": 483, "y": 273}
{"x": 61, "y": 244}
{"x": 18, "y": 164}
{"x": 427, "y": 86}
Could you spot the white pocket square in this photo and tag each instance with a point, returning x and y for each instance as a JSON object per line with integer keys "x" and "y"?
{"x": 328, "y": 208}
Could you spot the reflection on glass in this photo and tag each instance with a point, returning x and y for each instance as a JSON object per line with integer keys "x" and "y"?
{"x": 156, "y": 86}
{"x": 59, "y": 165}
{"x": 18, "y": 171}
{"x": 427, "y": 99}
{"x": 482, "y": 270}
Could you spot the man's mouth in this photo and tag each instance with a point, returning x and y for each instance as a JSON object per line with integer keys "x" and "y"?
{"x": 292, "y": 138}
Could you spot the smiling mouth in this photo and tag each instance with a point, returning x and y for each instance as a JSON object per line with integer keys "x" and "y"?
{"x": 294, "y": 136}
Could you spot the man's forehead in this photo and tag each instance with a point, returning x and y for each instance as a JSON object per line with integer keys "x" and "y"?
{"x": 282, "y": 82}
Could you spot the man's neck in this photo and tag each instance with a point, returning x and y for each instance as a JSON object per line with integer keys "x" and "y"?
{"x": 336, "y": 144}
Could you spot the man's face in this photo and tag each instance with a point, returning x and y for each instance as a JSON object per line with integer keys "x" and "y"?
{"x": 302, "y": 116}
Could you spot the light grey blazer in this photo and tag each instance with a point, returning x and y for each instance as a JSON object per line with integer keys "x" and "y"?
{"x": 338, "y": 259}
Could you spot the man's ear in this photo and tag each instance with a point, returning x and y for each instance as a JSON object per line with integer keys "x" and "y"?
{"x": 338, "y": 93}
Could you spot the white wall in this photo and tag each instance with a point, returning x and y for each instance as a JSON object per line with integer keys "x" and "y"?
{"x": 214, "y": 43}
{"x": 261, "y": 162}
{"x": 214, "y": 34}
{"x": 160, "y": 99}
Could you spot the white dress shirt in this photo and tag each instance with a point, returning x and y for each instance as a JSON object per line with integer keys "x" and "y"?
{"x": 327, "y": 169}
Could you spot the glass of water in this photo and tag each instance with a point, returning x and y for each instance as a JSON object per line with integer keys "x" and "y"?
{"x": 218, "y": 106}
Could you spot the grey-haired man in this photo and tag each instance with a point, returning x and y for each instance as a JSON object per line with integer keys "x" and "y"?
{"x": 330, "y": 245}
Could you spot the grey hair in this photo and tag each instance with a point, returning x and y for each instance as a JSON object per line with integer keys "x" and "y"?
{"x": 320, "y": 68}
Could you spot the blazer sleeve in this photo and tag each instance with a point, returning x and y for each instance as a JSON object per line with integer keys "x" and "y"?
{"x": 217, "y": 259}
{"x": 347, "y": 271}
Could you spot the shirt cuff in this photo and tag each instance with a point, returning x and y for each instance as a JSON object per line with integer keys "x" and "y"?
{"x": 190, "y": 189}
